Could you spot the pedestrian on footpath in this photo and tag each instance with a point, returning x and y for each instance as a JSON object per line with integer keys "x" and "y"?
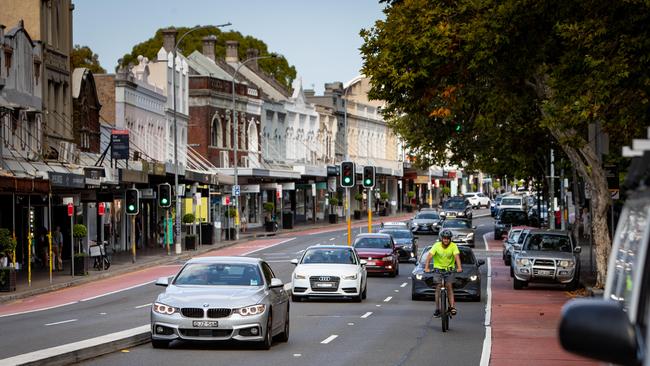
{"x": 57, "y": 248}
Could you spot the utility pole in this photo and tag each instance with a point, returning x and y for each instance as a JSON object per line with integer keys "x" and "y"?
{"x": 551, "y": 218}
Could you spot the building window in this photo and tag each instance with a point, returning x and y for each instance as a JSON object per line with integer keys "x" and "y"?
{"x": 216, "y": 133}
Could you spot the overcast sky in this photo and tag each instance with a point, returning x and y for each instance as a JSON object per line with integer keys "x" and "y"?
{"x": 320, "y": 38}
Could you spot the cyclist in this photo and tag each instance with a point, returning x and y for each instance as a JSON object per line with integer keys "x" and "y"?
{"x": 446, "y": 258}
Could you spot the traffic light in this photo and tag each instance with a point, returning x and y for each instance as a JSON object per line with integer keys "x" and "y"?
{"x": 132, "y": 201}
{"x": 348, "y": 174}
{"x": 368, "y": 176}
{"x": 458, "y": 127}
{"x": 165, "y": 195}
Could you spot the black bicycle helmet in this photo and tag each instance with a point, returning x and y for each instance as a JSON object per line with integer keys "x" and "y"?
{"x": 446, "y": 234}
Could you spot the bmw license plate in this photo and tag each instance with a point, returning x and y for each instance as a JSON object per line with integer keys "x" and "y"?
{"x": 205, "y": 323}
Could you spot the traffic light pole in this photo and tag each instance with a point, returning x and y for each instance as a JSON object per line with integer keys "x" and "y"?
{"x": 369, "y": 210}
{"x": 347, "y": 214}
{"x": 133, "y": 238}
{"x": 166, "y": 228}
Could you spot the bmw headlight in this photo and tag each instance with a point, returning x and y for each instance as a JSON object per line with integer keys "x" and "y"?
{"x": 250, "y": 310}
{"x": 164, "y": 309}
{"x": 566, "y": 263}
{"x": 418, "y": 276}
{"x": 473, "y": 278}
{"x": 523, "y": 261}
{"x": 299, "y": 276}
{"x": 351, "y": 277}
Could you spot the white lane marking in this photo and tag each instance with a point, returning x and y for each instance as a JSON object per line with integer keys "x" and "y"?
{"x": 364, "y": 316}
{"x": 61, "y": 322}
{"x": 42, "y": 354}
{"x": 117, "y": 291}
{"x": 350, "y": 323}
{"x": 41, "y": 309}
{"x": 396, "y": 290}
{"x": 270, "y": 246}
{"x": 329, "y": 339}
{"x": 300, "y": 251}
{"x": 142, "y": 306}
{"x": 487, "y": 342}
{"x": 486, "y": 242}
{"x": 103, "y": 313}
{"x": 388, "y": 299}
{"x": 403, "y": 285}
{"x": 331, "y": 239}
{"x": 297, "y": 355}
{"x": 378, "y": 305}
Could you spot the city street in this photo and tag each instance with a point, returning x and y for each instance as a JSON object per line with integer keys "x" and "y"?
{"x": 336, "y": 332}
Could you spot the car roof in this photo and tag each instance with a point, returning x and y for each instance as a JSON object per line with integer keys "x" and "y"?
{"x": 225, "y": 259}
{"x": 523, "y": 227}
{"x": 550, "y": 231}
{"x": 428, "y": 209}
{"x": 374, "y": 235}
{"x": 330, "y": 247}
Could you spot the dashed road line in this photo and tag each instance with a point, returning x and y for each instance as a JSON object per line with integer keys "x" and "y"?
{"x": 487, "y": 248}
{"x": 142, "y": 306}
{"x": 364, "y": 316}
{"x": 403, "y": 285}
{"x": 487, "y": 342}
{"x": 61, "y": 322}
{"x": 388, "y": 299}
{"x": 329, "y": 339}
{"x": 332, "y": 239}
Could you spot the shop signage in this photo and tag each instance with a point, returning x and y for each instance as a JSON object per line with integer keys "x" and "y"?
{"x": 159, "y": 169}
{"x": 67, "y": 180}
{"x": 289, "y": 186}
{"x": 421, "y": 179}
{"x": 120, "y": 144}
{"x": 197, "y": 177}
{"x": 269, "y": 186}
{"x": 133, "y": 176}
{"x": 147, "y": 193}
{"x": 250, "y": 188}
{"x": 332, "y": 170}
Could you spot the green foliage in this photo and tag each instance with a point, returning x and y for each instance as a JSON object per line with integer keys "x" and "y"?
{"x": 269, "y": 207}
{"x": 410, "y": 194}
{"x": 358, "y": 196}
{"x": 334, "y": 201}
{"x": 79, "y": 231}
{"x": 446, "y": 191}
{"x": 83, "y": 56}
{"x": 7, "y": 242}
{"x": 384, "y": 196}
{"x": 277, "y": 67}
{"x": 496, "y": 184}
{"x": 231, "y": 212}
{"x": 189, "y": 218}
{"x": 474, "y": 187}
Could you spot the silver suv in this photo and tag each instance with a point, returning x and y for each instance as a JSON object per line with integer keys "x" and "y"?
{"x": 547, "y": 256}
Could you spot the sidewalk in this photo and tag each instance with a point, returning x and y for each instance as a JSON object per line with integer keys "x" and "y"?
{"x": 121, "y": 263}
{"x": 525, "y": 322}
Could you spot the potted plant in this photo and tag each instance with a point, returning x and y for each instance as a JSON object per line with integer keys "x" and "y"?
{"x": 409, "y": 206}
{"x": 190, "y": 238}
{"x": 269, "y": 222}
{"x": 81, "y": 259}
{"x": 7, "y": 273}
{"x": 383, "y": 198}
{"x": 333, "y": 217}
{"x": 357, "y": 213}
{"x": 446, "y": 191}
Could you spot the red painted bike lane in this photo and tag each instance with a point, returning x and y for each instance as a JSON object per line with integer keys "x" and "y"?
{"x": 525, "y": 322}
{"x": 109, "y": 285}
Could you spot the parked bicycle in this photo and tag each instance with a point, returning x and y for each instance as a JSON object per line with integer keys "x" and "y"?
{"x": 102, "y": 260}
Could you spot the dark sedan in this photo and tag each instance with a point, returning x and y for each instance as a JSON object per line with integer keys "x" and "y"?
{"x": 405, "y": 243}
{"x": 507, "y": 218}
{"x": 426, "y": 222}
{"x": 467, "y": 284}
{"x": 455, "y": 208}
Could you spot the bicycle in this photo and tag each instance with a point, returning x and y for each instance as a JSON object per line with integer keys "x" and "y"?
{"x": 102, "y": 260}
{"x": 445, "y": 314}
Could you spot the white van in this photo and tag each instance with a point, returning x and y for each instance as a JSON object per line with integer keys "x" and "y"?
{"x": 513, "y": 201}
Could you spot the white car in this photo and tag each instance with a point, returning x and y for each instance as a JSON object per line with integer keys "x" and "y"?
{"x": 477, "y": 199}
{"x": 329, "y": 271}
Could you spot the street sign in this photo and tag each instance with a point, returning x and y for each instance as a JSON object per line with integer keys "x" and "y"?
{"x": 101, "y": 209}
{"x": 236, "y": 190}
{"x": 70, "y": 209}
{"x": 614, "y": 193}
{"x": 120, "y": 144}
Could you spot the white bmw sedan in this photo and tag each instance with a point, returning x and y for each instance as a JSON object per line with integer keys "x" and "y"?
{"x": 221, "y": 298}
{"x": 329, "y": 271}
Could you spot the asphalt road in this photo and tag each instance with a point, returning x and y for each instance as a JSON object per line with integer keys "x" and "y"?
{"x": 386, "y": 329}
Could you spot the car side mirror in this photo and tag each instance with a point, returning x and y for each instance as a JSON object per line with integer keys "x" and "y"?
{"x": 275, "y": 283}
{"x": 481, "y": 262}
{"x": 599, "y": 329}
{"x": 577, "y": 250}
{"x": 363, "y": 262}
{"x": 163, "y": 281}
{"x": 294, "y": 262}
{"x": 474, "y": 227}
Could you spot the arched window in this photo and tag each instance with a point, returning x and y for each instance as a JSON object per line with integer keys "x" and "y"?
{"x": 252, "y": 137}
{"x": 216, "y": 133}
{"x": 228, "y": 131}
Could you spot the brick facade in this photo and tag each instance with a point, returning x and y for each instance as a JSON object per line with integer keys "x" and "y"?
{"x": 105, "y": 84}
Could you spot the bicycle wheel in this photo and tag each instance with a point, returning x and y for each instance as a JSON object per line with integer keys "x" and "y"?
{"x": 444, "y": 312}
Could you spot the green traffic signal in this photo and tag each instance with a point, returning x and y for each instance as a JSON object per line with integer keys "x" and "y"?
{"x": 163, "y": 201}
{"x": 131, "y": 208}
{"x": 368, "y": 181}
{"x": 458, "y": 127}
{"x": 347, "y": 179}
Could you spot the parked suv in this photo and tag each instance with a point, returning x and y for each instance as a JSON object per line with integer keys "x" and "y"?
{"x": 615, "y": 329}
{"x": 547, "y": 256}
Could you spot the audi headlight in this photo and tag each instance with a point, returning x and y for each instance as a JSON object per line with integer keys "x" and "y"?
{"x": 473, "y": 278}
{"x": 299, "y": 276}
{"x": 387, "y": 259}
{"x": 251, "y": 310}
{"x": 351, "y": 277}
{"x": 418, "y": 276}
{"x": 164, "y": 309}
{"x": 566, "y": 263}
{"x": 523, "y": 261}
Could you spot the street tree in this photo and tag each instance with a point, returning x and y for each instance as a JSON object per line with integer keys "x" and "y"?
{"x": 277, "y": 67}
{"x": 83, "y": 56}
{"x": 515, "y": 71}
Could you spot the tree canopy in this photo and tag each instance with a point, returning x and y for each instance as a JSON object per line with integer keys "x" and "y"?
{"x": 83, "y": 56}
{"x": 512, "y": 74}
{"x": 277, "y": 67}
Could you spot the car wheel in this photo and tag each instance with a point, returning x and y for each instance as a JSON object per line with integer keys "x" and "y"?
{"x": 507, "y": 261}
{"x": 295, "y": 298}
{"x": 518, "y": 285}
{"x": 574, "y": 284}
{"x": 476, "y": 298}
{"x": 359, "y": 297}
{"x": 414, "y": 295}
{"x": 284, "y": 336}
{"x": 160, "y": 343}
{"x": 268, "y": 335}
{"x": 364, "y": 294}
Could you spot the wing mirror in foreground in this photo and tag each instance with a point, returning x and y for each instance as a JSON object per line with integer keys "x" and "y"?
{"x": 363, "y": 262}
{"x": 577, "y": 250}
{"x": 163, "y": 281}
{"x": 294, "y": 262}
{"x": 481, "y": 262}
{"x": 276, "y": 282}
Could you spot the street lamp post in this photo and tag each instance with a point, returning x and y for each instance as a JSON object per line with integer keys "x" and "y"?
{"x": 177, "y": 234}
{"x": 347, "y": 158}
{"x": 236, "y": 127}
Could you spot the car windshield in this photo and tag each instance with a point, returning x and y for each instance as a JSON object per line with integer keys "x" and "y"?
{"x": 510, "y": 201}
{"x": 219, "y": 274}
{"x": 513, "y": 217}
{"x": 375, "y": 243}
{"x": 466, "y": 257}
{"x": 522, "y": 237}
{"x": 514, "y": 235}
{"x": 329, "y": 255}
{"x": 498, "y": 199}
{"x": 548, "y": 243}
{"x": 398, "y": 234}
{"x": 454, "y": 205}
{"x": 457, "y": 224}
{"x": 427, "y": 216}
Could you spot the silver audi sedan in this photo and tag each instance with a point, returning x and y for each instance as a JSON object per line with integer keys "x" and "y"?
{"x": 221, "y": 298}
